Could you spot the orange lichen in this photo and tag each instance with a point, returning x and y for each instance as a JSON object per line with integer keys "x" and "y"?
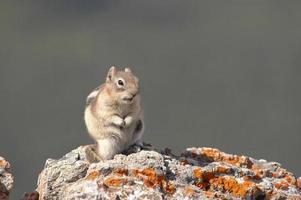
{"x": 247, "y": 184}
{"x": 92, "y": 175}
{"x": 201, "y": 184}
{"x": 216, "y": 155}
{"x": 120, "y": 172}
{"x": 290, "y": 179}
{"x": 168, "y": 187}
{"x": 115, "y": 182}
{"x": 282, "y": 185}
{"x": 257, "y": 176}
{"x": 152, "y": 179}
{"x": 197, "y": 173}
{"x": 149, "y": 183}
{"x": 207, "y": 175}
{"x": 149, "y": 172}
{"x": 234, "y": 160}
{"x": 222, "y": 170}
{"x": 188, "y": 191}
{"x": 275, "y": 175}
{"x": 277, "y": 185}
{"x": 157, "y": 180}
{"x": 202, "y": 178}
{"x": 237, "y": 160}
{"x": 232, "y": 186}
{"x": 135, "y": 172}
{"x": 3, "y": 163}
{"x": 211, "y": 153}
{"x": 213, "y": 178}
{"x": 258, "y": 172}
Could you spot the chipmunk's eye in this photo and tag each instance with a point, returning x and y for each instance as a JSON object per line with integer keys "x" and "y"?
{"x": 120, "y": 82}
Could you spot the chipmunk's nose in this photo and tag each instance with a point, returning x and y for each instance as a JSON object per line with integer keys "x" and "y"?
{"x": 131, "y": 96}
{"x": 134, "y": 92}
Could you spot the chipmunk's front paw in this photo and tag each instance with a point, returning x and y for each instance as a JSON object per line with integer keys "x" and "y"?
{"x": 128, "y": 121}
{"x": 118, "y": 121}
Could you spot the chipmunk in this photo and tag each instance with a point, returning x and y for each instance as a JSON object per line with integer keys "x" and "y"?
{"x": 113, "y": 113}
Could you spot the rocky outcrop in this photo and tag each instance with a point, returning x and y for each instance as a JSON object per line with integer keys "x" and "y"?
{"x": 6, "y": 179}
{"x": 198, "y": 173}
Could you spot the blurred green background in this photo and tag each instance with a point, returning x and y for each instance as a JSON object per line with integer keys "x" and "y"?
{"x": 222, "y": 74}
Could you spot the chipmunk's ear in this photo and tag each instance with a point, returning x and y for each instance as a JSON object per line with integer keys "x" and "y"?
{"x": 128, "y": 70}
{"x": 111, "y": 73}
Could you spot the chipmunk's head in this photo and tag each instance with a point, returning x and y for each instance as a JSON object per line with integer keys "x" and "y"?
{"x": 124, "y": 85}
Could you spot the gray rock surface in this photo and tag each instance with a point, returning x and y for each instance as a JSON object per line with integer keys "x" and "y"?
{"x": 199, "y": 173}
{"x": 6, "y": 179}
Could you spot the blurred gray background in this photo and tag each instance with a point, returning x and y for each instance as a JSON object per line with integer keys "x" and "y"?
{"x": 223, "y": 74}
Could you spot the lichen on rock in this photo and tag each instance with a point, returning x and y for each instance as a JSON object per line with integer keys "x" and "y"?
{"x": 198, "y": 173}
{"x": 6, "y": 179}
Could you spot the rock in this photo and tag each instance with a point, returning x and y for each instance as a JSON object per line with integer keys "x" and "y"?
{"x": 198, "y": 173}
{"x": 299, "y": 182}
{"x": 60, "y": 173}
{"x": 6, "y": 179}
{"x": 31, "y": 196}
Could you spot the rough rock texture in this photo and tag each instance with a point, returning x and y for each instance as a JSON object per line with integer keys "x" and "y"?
{"x": 30, "y": 196}
{"x": 6, "y": 179}
{"x": 199, "y": 173}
